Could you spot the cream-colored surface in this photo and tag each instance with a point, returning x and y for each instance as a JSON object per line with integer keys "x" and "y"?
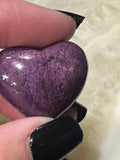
{"x": 3, "y": 119}
{"x": 99, "y": 36}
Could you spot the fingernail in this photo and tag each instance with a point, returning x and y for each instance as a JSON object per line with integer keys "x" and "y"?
{"x": 82, "y": 111}
{"x": 78, "y": 18}
{"x": 55, "y": 139}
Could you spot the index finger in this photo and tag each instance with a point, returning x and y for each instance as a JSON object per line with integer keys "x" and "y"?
{"x": 26, "y": 24}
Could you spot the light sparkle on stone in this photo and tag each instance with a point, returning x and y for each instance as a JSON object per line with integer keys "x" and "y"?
{"x": 18, "y": 65}
{"x": 26, "y": 57}
{"x": 13, "y": 84}
{"x": 5, "y": 77}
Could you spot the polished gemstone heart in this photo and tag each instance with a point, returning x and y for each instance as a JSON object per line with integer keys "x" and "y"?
{"x": 42, "y": 81}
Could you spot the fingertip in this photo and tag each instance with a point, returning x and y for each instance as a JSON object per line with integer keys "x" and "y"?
{"x": 15, "y": 137}
{"x": 27, "y": 24}
{"x": 55, "y": 139}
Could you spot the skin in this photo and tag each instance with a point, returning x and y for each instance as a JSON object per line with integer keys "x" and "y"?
{"x": 26, "y": 24}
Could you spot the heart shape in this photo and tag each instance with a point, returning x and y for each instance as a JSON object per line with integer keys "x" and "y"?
{"x": 42, "y": 81}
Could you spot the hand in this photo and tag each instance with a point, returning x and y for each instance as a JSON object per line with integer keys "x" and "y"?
{"x": 26, "y": 24}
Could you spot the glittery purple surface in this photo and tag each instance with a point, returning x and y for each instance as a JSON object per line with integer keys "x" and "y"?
{"x": 42, "y": 81}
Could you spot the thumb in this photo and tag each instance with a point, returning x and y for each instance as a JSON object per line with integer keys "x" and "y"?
{"x": 14, "y": 137}
{"x": 53, "y": 140}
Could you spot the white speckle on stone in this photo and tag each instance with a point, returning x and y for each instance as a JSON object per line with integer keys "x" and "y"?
{"x": 18, "y": 65}
{"x": 5, "y": 77}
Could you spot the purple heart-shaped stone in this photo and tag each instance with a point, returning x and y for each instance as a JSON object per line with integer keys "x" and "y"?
{"x": 42, "y": 81}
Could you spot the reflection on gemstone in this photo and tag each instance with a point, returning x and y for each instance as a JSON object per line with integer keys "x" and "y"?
{"x": 5, "y": 77}
{"x": 18, "y": 65}
{"x": 8, "y": 57}
{"x": 13, "y": 84}
{"x": 26, "y": 57}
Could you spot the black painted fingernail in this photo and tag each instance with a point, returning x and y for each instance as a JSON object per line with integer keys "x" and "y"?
{"x": 55, "y": 139}
{"x": 78, "y": 18}
{"x": 82, "y": 111}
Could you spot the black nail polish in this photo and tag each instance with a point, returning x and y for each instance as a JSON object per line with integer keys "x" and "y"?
{"x": 78, "y": 18}
{"x": 55, "y": 139}
{"x": 82, "y": 111}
